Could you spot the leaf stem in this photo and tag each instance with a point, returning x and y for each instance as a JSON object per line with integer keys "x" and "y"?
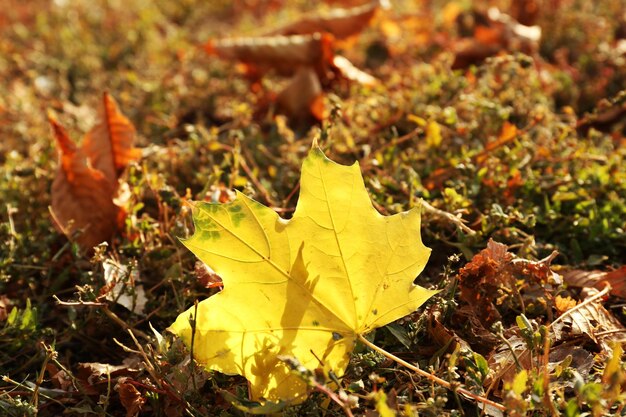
{"x": 429, "y": 376}
{"x": 446, "y": 215}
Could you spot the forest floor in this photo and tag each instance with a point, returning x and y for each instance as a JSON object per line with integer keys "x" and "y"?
{"x": 509, "y": 123}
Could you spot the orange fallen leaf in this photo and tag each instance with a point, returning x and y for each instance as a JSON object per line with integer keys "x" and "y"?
{"x": 85, "y": 190}
{"x": 593, "y": 320}
{"x": 109, "y": 144}
{"x": 130, "y": 397}
{"x": 82, "y": 197}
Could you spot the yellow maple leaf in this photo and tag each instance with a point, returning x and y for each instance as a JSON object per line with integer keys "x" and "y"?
{"x": 306, "y": 287}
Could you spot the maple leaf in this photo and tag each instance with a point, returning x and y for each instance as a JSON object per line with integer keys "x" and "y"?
{"x": 81, "y": 195}
{"x": 87, "y": 183}
{"x": 305, "y": 288}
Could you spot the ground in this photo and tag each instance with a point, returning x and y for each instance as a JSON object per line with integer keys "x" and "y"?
{"x": 516, "y": 145}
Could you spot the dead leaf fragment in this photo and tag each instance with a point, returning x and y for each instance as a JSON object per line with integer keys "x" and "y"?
{"x": 298, "y": 100}
{"x": 207, "y": 277}
{"x": 123, "y": 287}
{"x": 480, "y": 278}
{"x": 94, "y": 378}
{"x": 492, "y": 281}
{"x": 443, "y": 336}
{"x": 562, "y": 304}
{"x": 130, "y": 397}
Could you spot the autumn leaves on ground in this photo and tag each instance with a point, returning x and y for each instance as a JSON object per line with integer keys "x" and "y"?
{"x": 353, "y": 208}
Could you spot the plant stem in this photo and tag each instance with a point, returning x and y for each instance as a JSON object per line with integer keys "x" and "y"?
{"x": 431, "y": 377}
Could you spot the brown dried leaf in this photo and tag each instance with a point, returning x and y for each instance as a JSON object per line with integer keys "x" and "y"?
{"x": 92, "y": 371}
{"x": 582, "y": 279}
{"x": 443, "y": 336}
{"x": 95, "y": 378}
{"x": 82, "y": 197}
{"x": 472, "y": 329}
{"x": 59, "y": 378}
{"x": 504, "y": 368}
{"x": 502, "y": 361}
{"x": 592, "y": 320}
{"x": 493, "y": 32}
{"x": 341, "y": 23}
{"x": 490, "y": 280}
{"x": 283, "y": 54}
{"x": 130, "y": 397}
{"x": 480, "y": 278}
{"x": 109, "y": 144}
{"x": 588, "y": 279}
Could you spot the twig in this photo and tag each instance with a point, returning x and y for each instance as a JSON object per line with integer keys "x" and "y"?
{"x": 293, "y": 192}
{"x": 334, "y": 397}
{"x": 394, "y": 142}
{"x": 260, "y": 187}
{"x": 105, "y": 310}
{"x": 431, "y": 377}
{"x": 122, "y": 323}
{"x": 50, "y": 354}
{"x": 79, "y": 303}
{"x": 192, "y": 365}
{"x": 146, "y": 361}
{"x": 5, "y": 378}
{"x": 454, "y": 219}
{"x": 14, "y": 235}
